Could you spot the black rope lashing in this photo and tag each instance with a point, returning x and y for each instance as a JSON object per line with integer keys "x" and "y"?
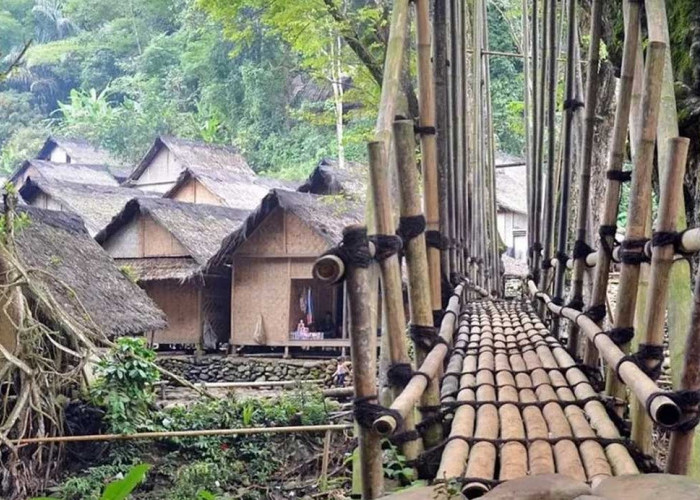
{"x": 595, "y": 313}
{"x": 434, "y": 239}
{"x": 410, "y": 227}
{"x": 622, "y": 425}
{"x": 562, "y": 257}
{"x": 687, "y": 402}
{"x": 418, "y": 130}
{"x": 606, "y": 232}
{"x": 576, "y": 304}
{"x": 619, "y": 175}
{"x": 404, "y": 437}
{"x": 386, "y": 245}
{"x": 366, "y": 412}
{"x": 399, "y": 374}
{"x": 645, "y": 354}
{"x": 558, "y": 301}
{"x": 581, "y": 250}
{"x": 425, "y": 337}
{"x": 619, "y": 336}
{"x": 546, "y": 264}
{"x": 573, "y": 104}
{"x": 632, "y": 251}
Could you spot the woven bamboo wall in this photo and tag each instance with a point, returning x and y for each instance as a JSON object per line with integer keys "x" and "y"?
{"x": 194, "y": 191}
{"x": 181, "y": 305}
{"x": 281, "y": 249}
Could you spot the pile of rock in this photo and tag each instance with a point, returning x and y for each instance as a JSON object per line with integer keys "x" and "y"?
{"x": 239, "y": 369}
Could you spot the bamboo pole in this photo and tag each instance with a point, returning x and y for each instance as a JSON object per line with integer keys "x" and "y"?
{"x": 529, "y": 126}
{"x": 584, "y": 186}
{"x": 458, "y": 62}
{"x": 363, "y": 354}
{"x": 570, "y": 111}
{"x": 391, "y": 278}
{"x": 407, "y": 399}
{"x": 181, "y": 434}
{"x": 440, "y": 67}
{"x": 428, "y": 145}
{"x": 661, "y": 262}
{"x": 538, "y": 92}
{"x": 663, "y": 410}
{"x": 615, "y": 162}
{"x": 417, "y": 261}
{"x": 640, "y": 195}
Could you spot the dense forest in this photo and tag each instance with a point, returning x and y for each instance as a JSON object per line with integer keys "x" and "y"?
{"x": 288, "y": 82}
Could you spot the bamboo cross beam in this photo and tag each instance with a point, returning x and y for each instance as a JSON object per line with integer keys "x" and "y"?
{"x": 420, "y": 305}
{"x": 428, "y": 145}
{"x": 640, "y": 196}
{"x": 662, "y": 409}
{"x": 615, "y": 162}
{"x": 661, "y": 262}
{"x": 409, "y": 397}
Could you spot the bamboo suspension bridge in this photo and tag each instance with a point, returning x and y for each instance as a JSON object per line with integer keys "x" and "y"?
{"x": 501, "y": 389}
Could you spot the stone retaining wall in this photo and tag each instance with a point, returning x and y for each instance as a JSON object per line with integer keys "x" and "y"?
{"x": 239, "y": 369}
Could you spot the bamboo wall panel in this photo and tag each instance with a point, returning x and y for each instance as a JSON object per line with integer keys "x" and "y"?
{"x": 180, "y": 303}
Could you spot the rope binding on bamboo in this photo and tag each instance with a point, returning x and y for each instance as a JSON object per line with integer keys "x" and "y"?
{"x": 688, "y": 402}
{"x": 366, "y": 412}
{"x": 581, "y": 250}
{"x": 411, "y": 227}
{"x": 619, "y": 175}
{"x": 649, "y": 358}
{"x": 435, "y": 239}
{"x": 605, "y": 232}
{"x": 632, "y": 251}
{"x": 619, "y": 336}
{"x": 386, "y": 245}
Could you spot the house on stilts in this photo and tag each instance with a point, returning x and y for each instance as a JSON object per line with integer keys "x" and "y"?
{"x": 270, "y": 259}
{"x": 165, "y": 244}
{"x": 83, "y": 280}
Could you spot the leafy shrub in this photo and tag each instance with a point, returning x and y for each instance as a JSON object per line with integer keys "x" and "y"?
{"x": 125, "y": 386}
{"x": 122, "y": 481}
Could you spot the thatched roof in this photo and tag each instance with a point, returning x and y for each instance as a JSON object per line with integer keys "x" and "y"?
{"x": 57, "y": 242}
{"x": 326, "y": 215}
{"x": 96, "y": 204}
{"x": 66, "y": 172}
{"x": 79, "y": 150}
{"x": 195, "y": 154}
{"x": 161, "y": 268}
{"x": 328, "y": 178}
{"x": 511, "y": 189}
{"x": 235, "y": 189}
{"x": 199, "y": 228}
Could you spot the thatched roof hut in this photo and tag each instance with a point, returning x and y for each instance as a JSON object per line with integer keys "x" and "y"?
{"x": 65, "y": 172}
{"x": 57, "y": 242}
{"x": 96, "y": 204}
{"x": 511, "y": 201}
{"x": 81, "y": 151}
{"x": 222, "y": 186}
{"x": 166, "y": 244}
{"x": 169, "y": 156}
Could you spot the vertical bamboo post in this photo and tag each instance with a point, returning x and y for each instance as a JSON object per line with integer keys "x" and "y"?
{"x": 428, "y": 145}
{"x": 584, "y": 186}
{"x": 323, "y": 482}
{"x": 538, "y": 92}
{"x": 615, "y": 162}
{"x": 550, "y": 194}
{"x": 416, "y": 260}
{"x": 391, "y": 275}
{"x": 363, "y": 341}
{"x": 640, "y": 196}
{"x": 661, "y": 262}
{"x": 527, "y": 107}
{"x": 466, "y": 141}
{"x": 570, "y": 109}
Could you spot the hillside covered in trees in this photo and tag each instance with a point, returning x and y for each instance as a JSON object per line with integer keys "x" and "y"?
{"x": 286, "y": 82}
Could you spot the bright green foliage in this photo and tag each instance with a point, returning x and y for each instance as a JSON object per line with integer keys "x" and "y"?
{"x": 90, "y": 486}
{"x": 125, "y": 385}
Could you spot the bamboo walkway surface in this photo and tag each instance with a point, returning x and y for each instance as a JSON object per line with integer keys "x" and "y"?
{"x": 516, "y": 403}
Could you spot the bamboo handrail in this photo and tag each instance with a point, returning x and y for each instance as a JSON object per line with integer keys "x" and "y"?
{"x": 407, "y": 399}
{"x": 189, "y": 433}
{"x": 662, "y": 409}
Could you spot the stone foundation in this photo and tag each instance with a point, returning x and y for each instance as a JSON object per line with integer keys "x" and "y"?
{"x": 239, "y": 369}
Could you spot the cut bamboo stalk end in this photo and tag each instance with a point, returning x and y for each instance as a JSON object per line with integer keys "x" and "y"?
{"x": 329, "y": 269}
{"x": 385, "y": 425}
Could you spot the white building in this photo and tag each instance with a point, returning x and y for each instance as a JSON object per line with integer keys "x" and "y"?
{"x": 511, "y": 201}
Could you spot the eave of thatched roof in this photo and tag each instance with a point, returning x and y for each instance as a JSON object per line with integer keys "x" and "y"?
{"x": 161, "y": 268}
{"x": 233, "y": 188}
{"x": 96, "y": 204}
{"x": 329, "y": 179}
{"x": 67, "y": 172}
{"x": 326, "y": 215}
{"x": 511, "y": 189}
{"x": 195, "y": 154}
{"x": 58, "y": 243}
{"x": 80, "y": 151}
{"x": 199, "y": 228}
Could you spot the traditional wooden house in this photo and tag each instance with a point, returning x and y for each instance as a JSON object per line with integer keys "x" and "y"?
{"x": 63, "y": 172}
{"x": 78, "y": 271}
{"x": 97, "y": 204}
{"x": 271, "y": 258}
{"x": 215, "y": 185}
{"x": 511, "y": 215}
{"x": 169, "y": 157}
{"x": 77, "y": 150}
{"x": 165, "y": 245}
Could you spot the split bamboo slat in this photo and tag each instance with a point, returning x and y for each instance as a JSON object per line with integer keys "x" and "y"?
{"x": 521, "y": 405}
{"x": 663, "y": 410}
{"x": 416, "y": 260}
{"x": 615, "y": 162}
{"x": 640, "y": 196}
{"x": 661, "y": 262}
{"x": 391, "y": 280}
